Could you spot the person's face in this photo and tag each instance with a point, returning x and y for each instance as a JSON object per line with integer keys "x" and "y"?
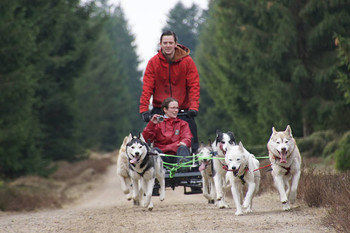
{"x": 172, "y": 110}
{"x": 168, "y": 46}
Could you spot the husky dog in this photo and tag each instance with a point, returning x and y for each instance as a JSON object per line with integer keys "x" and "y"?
{"x": 222, "y": 142}
{"x": 206, "y": 169}
{"x": 123, "y": 170}
{"x": 144, "y": 166}
{"x": 285, "y": 159}
{"x": 242, "y": 167}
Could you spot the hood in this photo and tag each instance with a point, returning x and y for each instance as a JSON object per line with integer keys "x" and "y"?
{"x": 180, "y": 52}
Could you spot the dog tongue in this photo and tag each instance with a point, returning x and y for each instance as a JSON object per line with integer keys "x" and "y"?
{"x": 283, "y": 157}
{"x": 201, "y": 167}
{"x": 134, "y": 160}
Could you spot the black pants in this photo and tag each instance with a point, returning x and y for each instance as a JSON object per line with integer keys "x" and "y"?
{"x": 191, "y": 123}
{"x": 181, "y": 151}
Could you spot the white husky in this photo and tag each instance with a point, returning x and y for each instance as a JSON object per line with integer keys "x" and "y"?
{"x": 144, "y": 167}
{"x": 123, "y": 170}
{"x": 221, "y": 144}
{"x": 286, "y": 160}
{"x": 206, "y": 169}
{"x": 243, "y": 169}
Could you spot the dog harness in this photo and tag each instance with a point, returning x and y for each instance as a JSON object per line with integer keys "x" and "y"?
{"x": 144, "y": 162}
{"x": 241, "y": 177}
{"x": 287, "y": 168}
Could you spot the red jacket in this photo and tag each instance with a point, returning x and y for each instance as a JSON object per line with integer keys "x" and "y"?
{"x": 179, "y": 80}
{"x": 167, "y": 134}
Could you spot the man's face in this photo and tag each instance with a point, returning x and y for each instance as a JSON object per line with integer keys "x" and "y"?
{"x": 168, "y": 46}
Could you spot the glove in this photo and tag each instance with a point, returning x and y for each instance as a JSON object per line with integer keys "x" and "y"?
{"x": 192, "y": 113}
{"x": 146, "y": 116}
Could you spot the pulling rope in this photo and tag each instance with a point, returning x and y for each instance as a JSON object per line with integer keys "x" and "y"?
{"x": 173, "y": 167}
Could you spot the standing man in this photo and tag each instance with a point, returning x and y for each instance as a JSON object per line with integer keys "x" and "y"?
{"x": 172, "y": 73}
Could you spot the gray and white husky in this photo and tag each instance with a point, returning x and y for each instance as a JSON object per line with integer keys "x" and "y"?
{"x": 123, "y": 169}
{"x": 286, "y": 160}
{"x": 144, "y": 166}
{"x": 206, "y": 169}
{"x": 220, "y": 146}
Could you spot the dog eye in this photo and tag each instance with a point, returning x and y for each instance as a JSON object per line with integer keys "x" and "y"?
{"x": 238, "y": 159}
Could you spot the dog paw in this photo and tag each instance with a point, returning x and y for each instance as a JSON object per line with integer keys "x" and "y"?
{"x": 223, "y": 206}
{"x": 136, "y": 202}
{"x": 238, "y": 213}
{"x": 285, "y": 206}
{"x": 150, "y": 206}
{"x": 248, "y": 210}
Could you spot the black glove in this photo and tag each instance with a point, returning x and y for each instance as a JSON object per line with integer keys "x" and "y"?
{"x": 146, "y": 116}
{"x": 192, "y": 113}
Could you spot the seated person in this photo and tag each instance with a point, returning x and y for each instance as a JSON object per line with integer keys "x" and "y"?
{"x": 172, "y": 135}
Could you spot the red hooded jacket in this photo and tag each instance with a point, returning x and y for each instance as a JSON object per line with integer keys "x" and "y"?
{"x": 167, "y": 134}
{"x": 178, "y": 79}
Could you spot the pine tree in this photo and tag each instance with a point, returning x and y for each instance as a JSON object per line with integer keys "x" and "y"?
{"x": 268, "y": 57}
{"x": 186, "y": 23}
{"x": 19, "y": 134}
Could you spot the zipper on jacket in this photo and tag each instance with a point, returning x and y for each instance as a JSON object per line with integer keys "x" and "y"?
{"x": 171, "y": 91}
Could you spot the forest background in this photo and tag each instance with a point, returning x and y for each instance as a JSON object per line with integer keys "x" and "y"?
{"x": 69, "y": 82}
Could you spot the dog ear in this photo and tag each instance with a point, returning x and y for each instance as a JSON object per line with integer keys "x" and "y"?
{"x": 209, "y": 142}
{"x": 130, "y": 137}
{"x": 141, "y": 137}
{"x": 241, "y": 147}
{"x": 273, "y": 130}
{"x": 288, "y": 131}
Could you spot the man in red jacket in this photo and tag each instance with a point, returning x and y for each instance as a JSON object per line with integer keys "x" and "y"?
{"x": 171, "y": 135}
{"x": 172, "y": 73}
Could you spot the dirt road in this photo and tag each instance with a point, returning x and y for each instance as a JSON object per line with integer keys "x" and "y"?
{"x": 105, "y": 209}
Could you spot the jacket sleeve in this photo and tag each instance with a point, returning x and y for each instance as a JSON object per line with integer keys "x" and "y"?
{"x": 149, "y": 133}
{"x": 186, "y": 134}
{"x": 193, "y": 84}
{"x": 147, "y": 87}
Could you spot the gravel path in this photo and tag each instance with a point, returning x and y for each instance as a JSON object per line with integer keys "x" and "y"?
{"x": 105, "y": 209}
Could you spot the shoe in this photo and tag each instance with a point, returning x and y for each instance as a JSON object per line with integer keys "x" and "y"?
{"x": 182, "y": 161}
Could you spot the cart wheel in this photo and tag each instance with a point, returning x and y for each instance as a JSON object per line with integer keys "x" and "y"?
{"x": 155, "y": 192}
{"x": 196, "y": 190}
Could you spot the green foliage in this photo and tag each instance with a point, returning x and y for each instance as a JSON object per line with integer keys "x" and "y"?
{"x": 19, "y": 151}
{"x": 186, "y": 23}
{"x": 343, "y": 80}
{"x": 315, "y": 144}
{"x": 62, "y": 77}
{"x": 342, "y": 154}
{"x": 108, "y": 91}
{"x": 272, "y": 63}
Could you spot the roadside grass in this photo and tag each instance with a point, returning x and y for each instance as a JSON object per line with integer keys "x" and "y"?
{"x": 329, "y": 189}
{"x": 320, "y": 186}
{"x": 32, "y": 192}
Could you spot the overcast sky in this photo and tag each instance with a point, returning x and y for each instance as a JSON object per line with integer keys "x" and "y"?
{"x": 146, "y": 18}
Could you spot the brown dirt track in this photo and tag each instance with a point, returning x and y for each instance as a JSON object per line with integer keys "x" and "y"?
{"x": 105, "y": 209}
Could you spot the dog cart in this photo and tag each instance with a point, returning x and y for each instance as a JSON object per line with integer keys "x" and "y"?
{"x": 190, "y": 180}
